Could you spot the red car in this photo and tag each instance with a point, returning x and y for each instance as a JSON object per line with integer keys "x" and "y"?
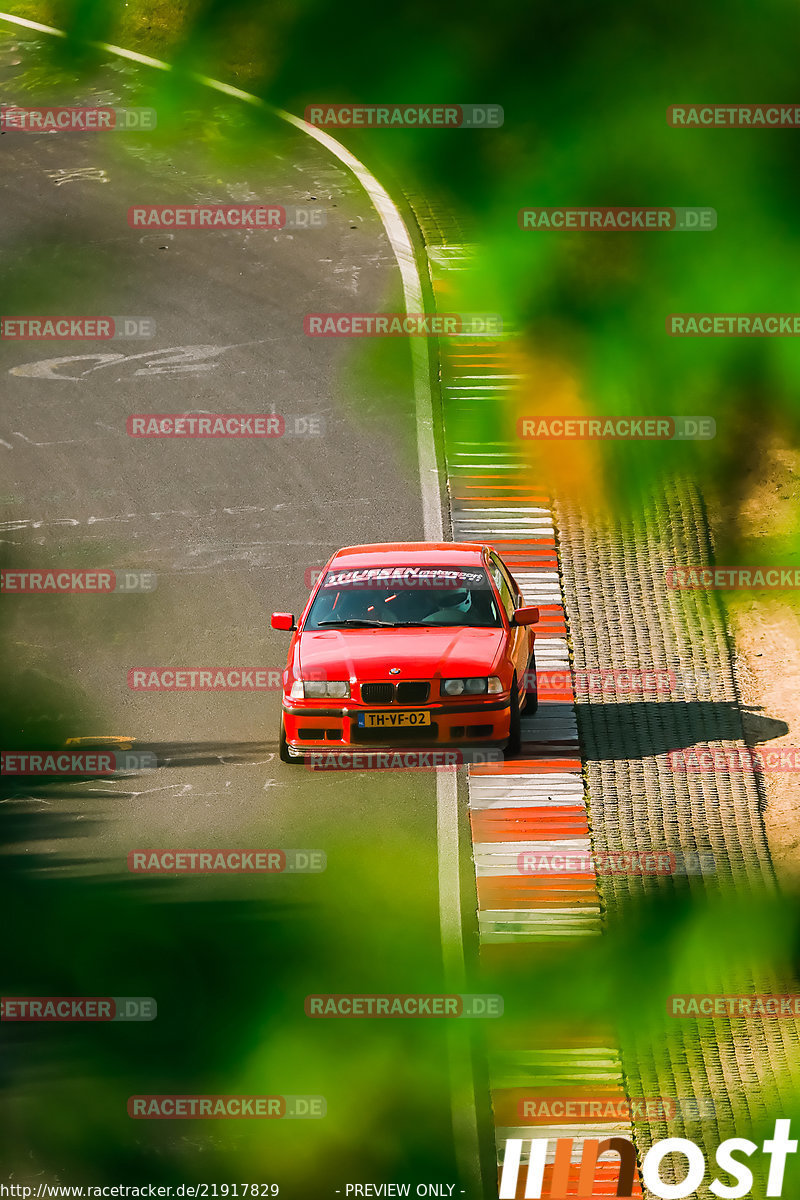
{"x": 426, "y": 643}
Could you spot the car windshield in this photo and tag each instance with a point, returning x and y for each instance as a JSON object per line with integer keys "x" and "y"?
{"x": 404, "y": 597}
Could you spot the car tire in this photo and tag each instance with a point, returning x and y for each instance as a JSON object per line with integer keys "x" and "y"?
{"x": 283, "y": 747}
{"x": 514, "y": 743}
{"x": 532, "y": 701}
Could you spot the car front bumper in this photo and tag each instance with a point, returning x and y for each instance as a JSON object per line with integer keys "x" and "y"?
{"x": 329, "y": 725}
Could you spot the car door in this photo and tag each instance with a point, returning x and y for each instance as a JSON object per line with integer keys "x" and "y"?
{"x": 521, "y": 635}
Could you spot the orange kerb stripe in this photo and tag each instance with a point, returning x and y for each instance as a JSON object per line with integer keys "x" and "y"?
{"x": 528, "y": 824}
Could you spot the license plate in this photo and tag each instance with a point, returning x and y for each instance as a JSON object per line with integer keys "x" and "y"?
{"x": 393, "y": 720}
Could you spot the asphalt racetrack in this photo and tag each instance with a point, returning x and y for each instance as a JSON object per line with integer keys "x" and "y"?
{"x": 232, "y": 529}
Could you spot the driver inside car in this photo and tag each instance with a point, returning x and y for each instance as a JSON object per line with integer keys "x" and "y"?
{"x": 451, "y": 608}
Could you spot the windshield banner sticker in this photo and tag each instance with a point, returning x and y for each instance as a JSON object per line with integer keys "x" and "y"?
{"x": 406, "y": 577}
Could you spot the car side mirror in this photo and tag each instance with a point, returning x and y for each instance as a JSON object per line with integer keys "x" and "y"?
{"x": 283, "y": 621}
{"x": 526, "y": 616}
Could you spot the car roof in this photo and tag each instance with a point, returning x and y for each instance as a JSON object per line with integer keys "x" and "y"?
{"x": 416, "y": 554}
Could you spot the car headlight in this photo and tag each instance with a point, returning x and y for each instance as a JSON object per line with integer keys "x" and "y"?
{"x": 474, "y": 686}
{"x": 320, "y": 689}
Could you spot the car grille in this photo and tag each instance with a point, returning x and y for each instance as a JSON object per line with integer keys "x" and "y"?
{"x": 479, "y": 731}
{"x": 401, "y": 693}
{"x": 413, "y": 693}
{"x": 377, "y": 693}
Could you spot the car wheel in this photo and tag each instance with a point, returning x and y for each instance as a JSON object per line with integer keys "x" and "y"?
{"x": 283, "y": 748}
{"x": 515, "y": 726}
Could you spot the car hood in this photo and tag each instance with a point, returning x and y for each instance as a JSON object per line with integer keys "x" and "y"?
{"x": 367, "y": 654}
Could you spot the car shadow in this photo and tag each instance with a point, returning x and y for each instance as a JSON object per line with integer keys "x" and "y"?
{"x": 630, "y": 729}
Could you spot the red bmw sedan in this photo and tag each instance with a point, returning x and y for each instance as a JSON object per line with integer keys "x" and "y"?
{"x": 420, "y": 643}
